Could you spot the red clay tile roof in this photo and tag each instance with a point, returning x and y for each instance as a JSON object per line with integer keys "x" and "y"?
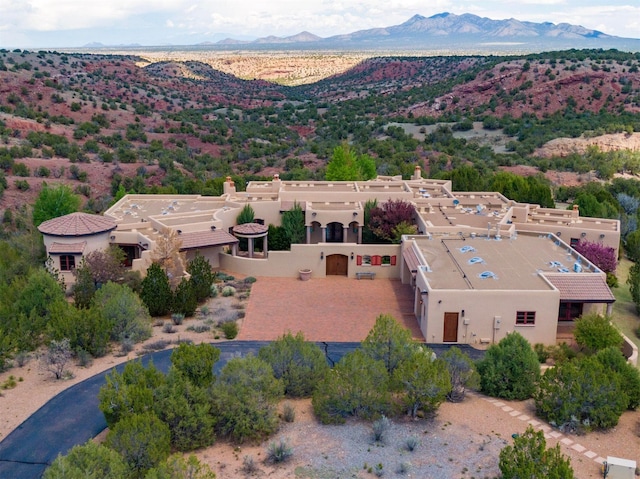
{"x": 251, "y": 229}
{"x": 71, "y": 248}
{"x": 411, "y": 259}
{"x": 77, "y": 224}
{"x": 581, "y": 288}
{"x": 201, "y": 239}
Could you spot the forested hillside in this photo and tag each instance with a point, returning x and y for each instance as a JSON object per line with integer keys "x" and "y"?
{"x": 106, "y": 125}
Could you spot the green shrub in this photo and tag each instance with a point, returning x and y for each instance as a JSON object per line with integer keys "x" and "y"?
{"x": 195, "y": 362}
{"x": 510, "y": 369}
{"x": 542, "y": 352}
{"x": 529, "y": 457}
{"x": 580, "y": 394}
{"x": 411, "y": 443}
{"x": 142, "y": 440}
{"x": 168, "y": 328}
{"x": 230, "y": 329}
{"x": 278, "y": 452}
{"x": 288, "y": 412}
{"x": 250, "y": 280}
{"x": 298, "y": 363}
{"x": 244, "y": 400}
{"x": 462, "y": 373}
{"x": 88, "y": 460}
{"x": 629, "y": 375}
{"x": 594, "y": 332}
{"x": 177, "y": 318}
{"x": 379, "y": 429}
{"x": 357, "y": 386}
{"x": 228, "y": 291}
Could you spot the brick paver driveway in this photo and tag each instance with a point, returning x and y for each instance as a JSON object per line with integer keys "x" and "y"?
{"x": 335, "y": 308}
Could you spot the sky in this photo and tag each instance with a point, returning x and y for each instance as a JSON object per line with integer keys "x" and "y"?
{"x": 75, "y": 23}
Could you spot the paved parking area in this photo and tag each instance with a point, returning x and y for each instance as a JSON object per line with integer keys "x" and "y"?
{"x": 335, "y": 308}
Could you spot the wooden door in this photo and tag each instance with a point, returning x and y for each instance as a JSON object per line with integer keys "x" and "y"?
{"x": 450, "y": 328}
{"x": 337, "y": 265}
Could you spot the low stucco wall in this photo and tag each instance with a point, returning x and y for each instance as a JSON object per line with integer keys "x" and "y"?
{"x": 630, "y": 350}
{"x": 287, "y": 264}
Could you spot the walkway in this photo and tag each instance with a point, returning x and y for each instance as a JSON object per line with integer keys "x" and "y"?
{"x": 335, "y": 308}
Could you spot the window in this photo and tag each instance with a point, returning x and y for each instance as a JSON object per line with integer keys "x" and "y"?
{"x": 67, "y": 262}
{"x": 386, "y": 259}
{"x": 366, "y": 259}
{"x": 574, "y": 242}
{"x": 526, "y": 317}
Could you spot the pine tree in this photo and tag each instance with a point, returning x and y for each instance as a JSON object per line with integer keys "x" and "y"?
{"x": 156, "y": 292}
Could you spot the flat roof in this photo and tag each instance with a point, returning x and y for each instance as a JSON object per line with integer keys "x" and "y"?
{"x": 511, "y": 263}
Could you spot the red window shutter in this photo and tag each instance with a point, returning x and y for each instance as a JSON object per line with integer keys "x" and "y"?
{"x": 376, "y": 260}
{"x": 359, "y": 260}
{"x": 393, "y": 260}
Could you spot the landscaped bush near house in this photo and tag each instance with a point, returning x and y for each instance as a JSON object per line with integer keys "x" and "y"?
{"x": 628, "y": 374}
{"x": 357, "y": 386}
{"x": 581, "y": 394}
{"x": 88, "y": 460}
{"x": 594, "y": 332}
{"x": 142, "y": 440}
{"x": 389, "y": 342}
{"x": 156, "y": 291}
{"x": 529, "y": 457}
{"x": 298, "y": 363}
{"x": 230, "y": 329}
{"x": 422, "y": 381}
{"x": 462, "y": 373}
{"x": 510, "y": 369}
{"x": 244, "y": 400}
{"x": 228, "y": 291}
{"x": 179, "y": 467}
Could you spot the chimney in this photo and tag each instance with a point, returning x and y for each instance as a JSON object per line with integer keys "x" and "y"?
{"x": 228, "y": 187}
{"x": 276, "y": 182}
{"x": 417, "y": 173}
{"x": 576, "y": 211}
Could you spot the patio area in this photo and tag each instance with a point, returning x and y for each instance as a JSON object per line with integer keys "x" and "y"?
{"x": 335, "y": 308}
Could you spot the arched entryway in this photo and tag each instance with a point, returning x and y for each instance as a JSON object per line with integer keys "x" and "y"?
{"x": 337, "y": 265}
{"x": 335, "y": 233}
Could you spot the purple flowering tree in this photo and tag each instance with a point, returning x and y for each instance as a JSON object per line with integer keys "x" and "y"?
{"x": 604, "y": 257}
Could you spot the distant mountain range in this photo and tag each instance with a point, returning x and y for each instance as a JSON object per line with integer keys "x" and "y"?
{"x": 451, "y": 31}
{"x": 445, "y": 31}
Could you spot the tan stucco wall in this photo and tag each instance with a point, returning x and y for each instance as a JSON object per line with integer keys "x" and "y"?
{"x": 480, "y": 310}
{"x": 93, "y": 242}
{"x": 288, "y": 263}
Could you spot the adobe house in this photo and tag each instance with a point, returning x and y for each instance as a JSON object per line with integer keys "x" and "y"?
{"x": 68, "y": 238}
{"x": 530, "y": 279}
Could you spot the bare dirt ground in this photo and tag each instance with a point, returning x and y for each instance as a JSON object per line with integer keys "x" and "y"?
{"x": 463, "y": 440}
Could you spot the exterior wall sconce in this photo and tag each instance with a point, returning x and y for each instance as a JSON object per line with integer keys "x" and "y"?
{"x": 352, "y": 256}
{"x": 463, "y": 313}
{"x": 558, "y": 234}
{"x": 321, "y": 255}
{"x": 583, "y": 234}
{"x": 112, "y": 237}
{"x": 314, "y": 214}
{"x": 602, "y": 236}
{"x": 355, "y": 213}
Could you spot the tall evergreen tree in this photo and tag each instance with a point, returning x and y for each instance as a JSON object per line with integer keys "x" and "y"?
{"x": 156, "y": 291}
